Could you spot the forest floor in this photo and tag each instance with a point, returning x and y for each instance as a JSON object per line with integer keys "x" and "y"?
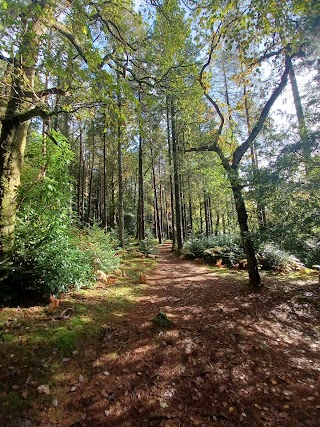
{"x": 233, "y": 356}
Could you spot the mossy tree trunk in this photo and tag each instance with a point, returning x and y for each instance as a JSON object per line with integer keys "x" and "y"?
{"x": 19, "y": 104}
{"x": 12, "y": 147}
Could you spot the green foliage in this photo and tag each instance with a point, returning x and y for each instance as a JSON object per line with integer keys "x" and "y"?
{"x": 161, "y": 321}
{"x": 229, "y": 242}
{"x": 50, "y": 255}
{"x": 98, "y": 246}
{"x": 65, "y": 340}
{"x": 148, "y": 246}
{"x": 45, "y": 247}
{"x": 274, "y": 258}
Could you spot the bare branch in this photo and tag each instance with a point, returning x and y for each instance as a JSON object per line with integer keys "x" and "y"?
{"x": 214, "y": 44}
{"x": 266, "y": 56}
{"x": 238, "y": 154}
{"x": 215, "y": 148}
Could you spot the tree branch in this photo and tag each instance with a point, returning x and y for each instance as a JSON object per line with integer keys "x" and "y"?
{"x": 212, "y": 102}
{"x": 238, "y": 154}
{"x": 46, "y": 92}
{"x": 215, "y": 148}
{"x": 62, "y": 29}
{"x": 266, "y": 56}
{"x": 30, "y": 114}
{"x": 6, "y": 59}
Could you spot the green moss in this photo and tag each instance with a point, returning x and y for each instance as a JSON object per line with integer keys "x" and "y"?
{"x": 8, "y": 337}
{"x": 66, "y": 340}
{"x": 13, "y": 402}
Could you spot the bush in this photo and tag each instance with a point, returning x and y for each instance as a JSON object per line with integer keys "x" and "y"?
{"x": 99, "y": 247}
{"x": 229, "y": 244}
{"x": 50, "y": 255}
{"x": 274, "y": 258}
{"x": 148, "y": 246}
{"x": 312, "y": 251}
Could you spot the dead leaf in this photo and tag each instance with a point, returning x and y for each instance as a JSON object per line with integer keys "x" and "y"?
{"x": 195, "y": 421}
{"x": 43, "y": 389}
{"x": 163, "y": 404}
{"x": 24, "y": 394}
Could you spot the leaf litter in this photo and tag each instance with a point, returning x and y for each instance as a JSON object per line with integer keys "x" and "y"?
{"x": 219, "y": 354}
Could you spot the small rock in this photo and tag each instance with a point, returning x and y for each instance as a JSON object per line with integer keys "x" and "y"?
{"x": 55, "y": 402}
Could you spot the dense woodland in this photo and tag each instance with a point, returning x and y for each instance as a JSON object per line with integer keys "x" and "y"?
{"x": 195, "y": 121}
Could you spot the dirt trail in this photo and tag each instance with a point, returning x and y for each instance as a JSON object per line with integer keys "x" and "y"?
{"x": 233, "y": 357}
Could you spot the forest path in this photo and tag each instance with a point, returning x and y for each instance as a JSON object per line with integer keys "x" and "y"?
{"x": 233, "y": 357}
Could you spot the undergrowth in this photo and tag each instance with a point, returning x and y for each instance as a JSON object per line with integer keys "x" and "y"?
{"x": 37, "y": 348}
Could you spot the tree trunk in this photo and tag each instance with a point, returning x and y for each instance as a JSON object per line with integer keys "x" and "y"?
{"x": 183, "y": 209}
{"x": 176, "y": 177}
{"x": 254, "y": 276}
{"x": 14, "y": 128}
{"x": 120, "y": 175}
{"x": 12, "y": 147}
{"x": 104, "y": 213}
{"x": 261, "y": 211}
{"x": 190, "y": 206}
{"x": 303, "y": 133}
{"x": 156, "y": 204}
{"x": 89, "y": 213}
{"x": 140, "y": 210}
{"x": 173, "y": 231}
{"x": 84, "y": 185}
{"x": 201, "y": 217}
{"x": 80, "y": 174}
{"x": 112, "y": 210}
{"x": 206, "y": 214}
{"x": 216, "y": 231}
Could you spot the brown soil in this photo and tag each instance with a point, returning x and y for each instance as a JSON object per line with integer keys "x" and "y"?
{"x": 233, "y": 357}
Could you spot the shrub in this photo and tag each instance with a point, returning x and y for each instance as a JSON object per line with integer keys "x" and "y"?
{"x": 99, "y": 247}
{"x": 274, "y": 258}
{"x": 50, "y": 255}
{"x": 228, "y": 243}
{"x": 312, "y": 251}
{"x": 148, "y": 246}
